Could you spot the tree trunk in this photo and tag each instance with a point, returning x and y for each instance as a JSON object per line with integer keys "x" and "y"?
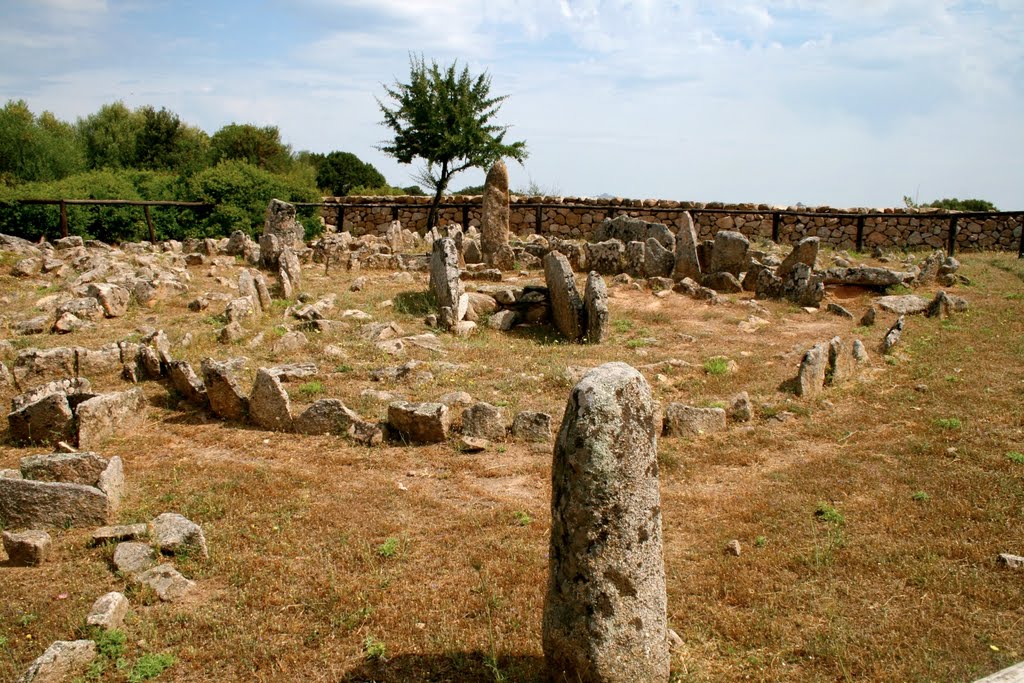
{"x": 442, "y": 183}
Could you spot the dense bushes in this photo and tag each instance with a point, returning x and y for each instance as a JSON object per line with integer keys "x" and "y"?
{"x": 150, "y": 154}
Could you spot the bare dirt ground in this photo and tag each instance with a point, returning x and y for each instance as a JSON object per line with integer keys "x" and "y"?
{"x": 331, "y": 561}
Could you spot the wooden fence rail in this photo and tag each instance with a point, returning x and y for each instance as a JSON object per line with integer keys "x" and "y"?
{"x": 65, "y": 203}
{"x": 776, "y": 215}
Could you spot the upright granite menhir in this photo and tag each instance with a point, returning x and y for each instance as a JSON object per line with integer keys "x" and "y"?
{"x": 605, "y": 609}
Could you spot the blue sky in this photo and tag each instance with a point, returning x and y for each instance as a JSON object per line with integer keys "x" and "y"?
{"x": 840, "y": 102}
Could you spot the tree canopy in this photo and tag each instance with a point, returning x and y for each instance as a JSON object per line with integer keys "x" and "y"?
{"x": 953, "y": 204}
{"x": 445, "y": 117}
{"x": 259, "y": 146}
{"x": 340, "y": 172}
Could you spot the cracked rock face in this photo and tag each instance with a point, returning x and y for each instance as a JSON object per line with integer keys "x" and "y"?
{"x": 605, "y": 607}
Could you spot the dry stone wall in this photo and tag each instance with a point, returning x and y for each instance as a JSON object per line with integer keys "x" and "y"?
{"x": 578, "y": 217}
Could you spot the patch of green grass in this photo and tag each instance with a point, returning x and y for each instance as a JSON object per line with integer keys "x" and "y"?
{"x": 110, "y": 644}
{"x": 150, "y": 666}
{"x": 415, "y": 303}
{"x": 344, "y": 367}
{"x": 898, "y": 289}
{"x": 827, "y": 513}
{"x": 637, "y": 343}
{"x": 921, "y": 497}
{"x": 310, "y": 389}
{"x": 1015, "y": 457}
{"x": 1016, "y": 296}
{"x": 719, "y": 365}
{"x": 621, "y": 325}
{"x": 760, "y": 542}
{"x": 522, "y": 518}
{"x": 374, "y": 649}
{"x": 951, "y": 423}
{"x": 279, "y": 330}
{"x": 388, "y": 548}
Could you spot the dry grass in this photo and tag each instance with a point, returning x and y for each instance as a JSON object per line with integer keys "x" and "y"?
{"x": 333, "y": 562}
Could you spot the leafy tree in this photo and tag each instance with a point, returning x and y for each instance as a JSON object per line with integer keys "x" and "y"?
{"x": 445, "y": 117}
{"x": 259, "y": 146}
{"x": 339, "y": 172}
{"x": 165, "y": 143}
{"x": 36, "y": 148}
{"x": 110, "y": 136}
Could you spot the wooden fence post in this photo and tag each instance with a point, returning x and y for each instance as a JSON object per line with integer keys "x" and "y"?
{"x": 860, "y": 233}
{"x": 538, "y": 218}
{"x": 775, "y": 226}
{"x": 149, "y": 222}
{"x": 63, "y": 218}
{"x": 953, "y": 232}
{"x": 1020, "y": 250}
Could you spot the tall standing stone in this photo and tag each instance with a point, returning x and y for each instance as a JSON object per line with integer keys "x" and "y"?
{"x": 566, "y": 305}
{"x": 605, "y": 608}
{"x": 805, "y": 251}
{"x": 495, "y": 218}
{"x": 282, "y": 223}
{"x": 595, "y": 305}
{"x": 445, "y": 281}
{"x": 687, "y": 262}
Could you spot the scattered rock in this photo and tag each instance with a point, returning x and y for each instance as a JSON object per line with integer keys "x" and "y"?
{"x": 836, "y": 309}
{"x": 1011, "y": 561}
{"x": 740, "y": 408}
{"x": 733, "y": 548}
{"x": 419, "y": 422}
{"x": 595, "y": 309}
{"x": 532, "y": 427}
{"x": 868, "y": 319}
{"x": 167, "y": 582}
{"x": 131, "y": 557}
{"x": 174, "y": 533}
{"x": 62, "y": 661}
{"x": 108, "y": 612}
{"x": 26, "y": 548}
{"x": 893, "y": 336}
{"x": 484, "y": 420}
{"x": 729, "y": 254}
{"x": 473, "y": 444}
{"x": 119, "y": 533}
{"x": 187, "y": 383}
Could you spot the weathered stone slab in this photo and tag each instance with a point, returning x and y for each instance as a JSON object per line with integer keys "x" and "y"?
{"x": 47, "y": 420}
{"x": 187, "y": 383}
{"x": 118, "y": 533}
{"x": 104, "y": 415}
{"x": 494, "y": 219}
{"x": 30, "y": 504}
{"x": 605, "y": 257}
{"x": 805, "y": 251}
{"x": 73, "y": 468}
{"x": 729, "y": 254}
{"x": 485, "y": 421}
{"x": 687, "y": 264}
{"x": 113, "y": 299}
{"x": 223, "y": 391}
{"x": 419, "y": 422}
{"x": 684, "y": 420}
{"x": 627, "y": 229}
{"x": 532, "y": 427}
{"x": 605, "y": 607}
{"x": 566, "y": 304}
{"x": 893, "y": 336}
{"x": 35, "y": 366}
{"x": 902, "y": 304}
{"x": 445, "y": 281}
{"x": 269, "y": 405}
{"x": 866, "y": 276}
{"x": 132, "y": 557}
{"x": 810, "y": 379}
{"x": 26, "y": 548}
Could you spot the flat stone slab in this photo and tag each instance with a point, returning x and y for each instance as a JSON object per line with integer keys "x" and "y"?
{"x": 902, "y": 304}
{"x": 119, "y": 533}
{"x": 133, "y": 558}
{"x": 104, "y": 415}
{"x": 30, "y": 504}
{"x": 174, "y": 533}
